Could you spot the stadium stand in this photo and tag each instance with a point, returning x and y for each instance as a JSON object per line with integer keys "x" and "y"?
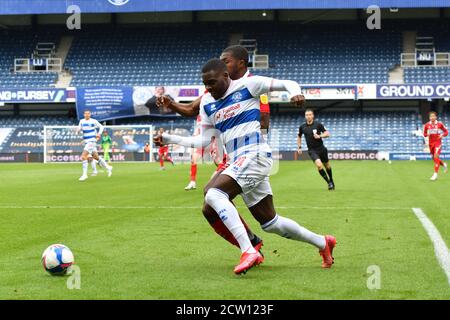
{"x": 309, "y": 54}
{"x": 142, "y": 56}
{"x": 386, "y": 131}
{"x": 20, "y": 44}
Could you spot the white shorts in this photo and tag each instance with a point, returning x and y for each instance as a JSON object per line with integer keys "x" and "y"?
{"x": 251, "y": 172}
{"x": 90, "y": 147}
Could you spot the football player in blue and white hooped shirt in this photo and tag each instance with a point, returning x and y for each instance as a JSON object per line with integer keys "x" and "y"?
{"x": 230, "y": 111}
{"x": 91, "y": 130}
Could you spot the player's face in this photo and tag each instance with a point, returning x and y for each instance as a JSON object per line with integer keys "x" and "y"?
{"x": 216, "y": 82}
{"x": 433, "y": 117}
{"x": 87, "y": 115}
{"x": 309, "y": 116}
{"x": 235, "y": 67}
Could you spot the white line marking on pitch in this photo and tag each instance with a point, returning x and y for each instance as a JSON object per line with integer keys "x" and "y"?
{"x": 440, "y": 248}
{"x": 193, "y": 207}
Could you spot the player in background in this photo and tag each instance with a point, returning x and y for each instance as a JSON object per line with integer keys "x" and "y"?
{"x": 231, "y": 110}
{"x": 236, "y": 61}
{"x": 93, "y": 163}
{"x": 196, "y": 155}
{"x": 435, "y": 131}
{"x": 92, "y": 130}
{"x": 163, "y": 153}
{"x": 106, "y": 143}
{"x": 315, "y": 132}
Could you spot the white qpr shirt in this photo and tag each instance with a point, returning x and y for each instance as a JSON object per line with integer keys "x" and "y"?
{"x": 89, "y": 129}
{"x": 236, "y": 116}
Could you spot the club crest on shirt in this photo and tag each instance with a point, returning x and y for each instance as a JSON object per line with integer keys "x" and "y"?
{"x": 236, "y": 97}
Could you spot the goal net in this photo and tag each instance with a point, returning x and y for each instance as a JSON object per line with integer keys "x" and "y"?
{"x": 62, "y": 144}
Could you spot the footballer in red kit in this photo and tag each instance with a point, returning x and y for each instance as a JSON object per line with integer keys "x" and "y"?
{"x": 163, "y": 152}
{"x": 435, "y": 131}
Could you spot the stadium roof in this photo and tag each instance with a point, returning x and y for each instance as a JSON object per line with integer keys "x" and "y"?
{"x": 109, "y": 6}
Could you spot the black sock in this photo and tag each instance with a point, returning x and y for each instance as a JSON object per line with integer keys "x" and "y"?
{"x": 324, "y": 175}
{"x": 330, "y": 174}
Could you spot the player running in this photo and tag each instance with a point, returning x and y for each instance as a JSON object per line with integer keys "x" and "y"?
{"x": 163, "y": 153}
{"x": 315, "y": 132}
{"x": 230, "y": 110}
{"x": 91, "y": 129}
{"x": 106, "y": 143}
{"x": 435, "y": 131}
{"x": 236, "y": 61}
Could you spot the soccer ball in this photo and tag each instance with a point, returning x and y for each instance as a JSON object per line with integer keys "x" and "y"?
{"x": 57, "y": 259}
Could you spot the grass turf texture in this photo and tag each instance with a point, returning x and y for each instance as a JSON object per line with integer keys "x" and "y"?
{"x": 161, "y": 253}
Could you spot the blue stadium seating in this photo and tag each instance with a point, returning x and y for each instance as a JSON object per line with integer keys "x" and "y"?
{"x": 169, "y": 56}
{"x": 173, "y": 55}
{"x": 427, "y": 74}
{"x": 20, "y": 44}
{"x": 385, "y": 131}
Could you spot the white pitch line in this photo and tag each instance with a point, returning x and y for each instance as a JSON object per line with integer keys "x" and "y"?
{"x": 440, "y": 248}
{"x": 193, "y": 207}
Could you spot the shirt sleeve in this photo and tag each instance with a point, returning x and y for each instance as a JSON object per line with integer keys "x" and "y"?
{"x": 258, "y": 85}
{"x": 300, "y": 131}
{"x": 321, "y": 128}
{"x": 425, "y": 131}
{"x": 99, "y": 126}
{"x": 207, "y": 131}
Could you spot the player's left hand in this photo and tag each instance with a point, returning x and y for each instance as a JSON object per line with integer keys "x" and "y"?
{"x": 163, "y": 101}
{"x": 316, "y": 136}
{"x": 97, "y": 137}
{"x": 298, "y": 100}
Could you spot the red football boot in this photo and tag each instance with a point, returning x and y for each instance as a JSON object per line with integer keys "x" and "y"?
{"x": 248, "y": 260}
{"x": 327, "y": 252}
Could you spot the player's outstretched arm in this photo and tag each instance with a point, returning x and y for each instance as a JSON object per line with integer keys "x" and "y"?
{"x": 198, "y": 141}
{"x": 185, "y": 109}
{"x": 258, "y": 85}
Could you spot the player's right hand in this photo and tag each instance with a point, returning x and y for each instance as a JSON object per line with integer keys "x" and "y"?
{"x": 163, "y": 101}
{"x": 298, "y": 100}
{"x": 158, "y": 140}
{"x": 299, "y": 151}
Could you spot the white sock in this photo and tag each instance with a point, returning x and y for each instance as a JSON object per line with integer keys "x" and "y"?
{"x": 102, "y": 163}
{"x": 290, "y": 229}
{"x": 94, "y": 166}
{"x": 85, "y": 167}
{"x": 220, "y": 202}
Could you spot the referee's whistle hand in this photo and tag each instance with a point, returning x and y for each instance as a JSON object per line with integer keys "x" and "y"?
{"x": 298, "y": 100}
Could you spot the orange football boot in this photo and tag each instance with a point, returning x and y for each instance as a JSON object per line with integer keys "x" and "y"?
{"x": 248, "y": 260}
{"x": 327, "y": 252}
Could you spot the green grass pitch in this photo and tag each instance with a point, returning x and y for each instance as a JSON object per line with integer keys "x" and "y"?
{"x": 139, "y": 235}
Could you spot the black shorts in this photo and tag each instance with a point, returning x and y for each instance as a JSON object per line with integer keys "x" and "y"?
{"x": 321, "y": 154}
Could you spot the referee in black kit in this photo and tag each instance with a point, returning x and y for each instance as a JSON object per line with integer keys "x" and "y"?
{"x": 314, "y": 132}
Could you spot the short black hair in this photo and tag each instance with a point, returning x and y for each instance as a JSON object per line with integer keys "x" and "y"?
{"x": 238, "y": 52}
{"x": 309, "y": 110}
{"x": 214, "y": 65}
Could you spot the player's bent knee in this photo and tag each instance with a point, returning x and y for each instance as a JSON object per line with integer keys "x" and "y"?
{"x": 214, "y": 194}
